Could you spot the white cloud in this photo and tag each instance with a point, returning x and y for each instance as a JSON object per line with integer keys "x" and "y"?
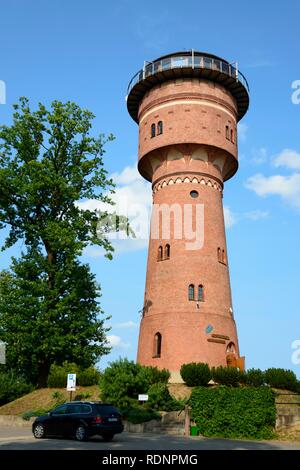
{"x": 288, "y": 187}
{"x": 242, "y": 131}
{"x": 288, "y": 158}
{"x": 229, "y": 216}
{"x": 116, "y": 342}
{"x": 126, "y": 325}
{"x": 131, "y": 190}
{"x": 94, "y": 204}
{"x": 129, "y": 175}
{"x": 256, "y": 215}
{"x": 259, "y": 156}
{"x": 121, "y": 246}
{"x": 133, "y": 199}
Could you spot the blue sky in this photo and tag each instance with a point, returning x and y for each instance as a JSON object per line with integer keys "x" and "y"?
{"x": 88, "y": 51}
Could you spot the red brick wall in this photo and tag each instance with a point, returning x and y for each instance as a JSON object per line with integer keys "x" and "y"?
{"x": 191, "y": 154}
{"x": 192, "y": 111}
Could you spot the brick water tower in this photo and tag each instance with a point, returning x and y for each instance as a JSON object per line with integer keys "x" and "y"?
{"x": 187, "y": 106}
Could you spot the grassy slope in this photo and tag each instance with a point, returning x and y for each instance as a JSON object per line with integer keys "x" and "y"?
{"x": 180, "y": 391}
{"x": 42, "y": 398}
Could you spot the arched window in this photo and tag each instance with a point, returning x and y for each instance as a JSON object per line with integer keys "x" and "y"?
{"x": 227, "y": 132}
{"x": 159, "y": 127}
{"x": 191, "y": 292}
{"x": 223, "y": 257}
{"x": 200, "y": 293}
{"x": 153, "y": 130}
{"x": 219, "y": 254}
{"x": 231, "y": 135}
{"x": 160, "y": 253}
{"x": 167, "y": 251}
{"x": 230, "y": 348}
{"x": 157, "y": 345}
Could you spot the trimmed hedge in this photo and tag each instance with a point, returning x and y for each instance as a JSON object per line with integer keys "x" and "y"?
{"x": 89, "y": 376}
{"x": 230, "y": 376}
{"x": 58, "y": 374}
{"x": 255, "y": 377}
{"x": 244, "y": 412}
{"x": 195, "y": 374}
{"x": 282, "y": 378}
{"x": 84, "y": 377}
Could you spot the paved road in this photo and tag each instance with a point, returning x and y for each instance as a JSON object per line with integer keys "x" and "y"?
{"x": 14, "y": 438}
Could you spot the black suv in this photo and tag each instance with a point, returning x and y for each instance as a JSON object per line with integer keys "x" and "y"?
{"x": 80, "y": 420}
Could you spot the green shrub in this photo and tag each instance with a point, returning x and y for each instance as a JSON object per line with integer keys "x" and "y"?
{"x": 58, "y": 374}
{"x": 89, "y": 376}
{"x": 123, "y": 380}
{"x": 195, "y": 374}
{"x": 255, "y": 377}
{"x": 59, "y": 397}
{"x": 31, "y": 414}
{"x": 152, "y": 375}
{"x": 12, "y": 386}
{"x": 136, "y": 414}
{"x": 230, "y": 376}
{"x": 84, "y": 377}
{"x": 244, "y": 412}
{"x": 281, "y": 378}
{"x": 82, "y": 396}
{"x": 160, "y": 399}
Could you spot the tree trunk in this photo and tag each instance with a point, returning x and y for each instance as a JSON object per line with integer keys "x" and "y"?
{"x": 43, "y": 372}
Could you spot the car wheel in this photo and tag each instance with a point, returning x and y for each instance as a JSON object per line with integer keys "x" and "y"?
{"x": 39, "y": 431}
{"x": 108, "y": 437}
{"x": 80, "y": 433}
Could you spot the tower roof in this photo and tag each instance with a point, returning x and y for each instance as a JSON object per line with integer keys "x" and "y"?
{"x": 188, "y": 64}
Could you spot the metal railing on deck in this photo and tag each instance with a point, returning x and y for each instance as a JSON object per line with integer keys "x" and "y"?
{"x": 188, "y": 61}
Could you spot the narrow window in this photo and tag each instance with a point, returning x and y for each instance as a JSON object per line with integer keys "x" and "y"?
{"x": 223, "y": 257}
{"x": 191, "y": 292}
{"x": 160, "y": 253}
{"x": 159, "y": 127}
{"x": 201, "y": 293}
{"x": 157, "y": 345}
{"x": 230, "y": 348}
{"x": 152, "y": 130}
{"x": 219, "y": 254}
{"x": 227, "y": 132}
{"x": 231, "y": 134}
{"x": 167, "y": 251}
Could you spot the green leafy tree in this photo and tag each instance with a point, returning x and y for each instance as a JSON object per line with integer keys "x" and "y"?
{"x": 49, "y": 309}
{"x": 38, "y": 334}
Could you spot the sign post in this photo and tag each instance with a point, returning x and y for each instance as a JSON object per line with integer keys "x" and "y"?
{"x": 143, "y": 398}
{"x": 2, "y": 353}
{"x": 71, "y": 384}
